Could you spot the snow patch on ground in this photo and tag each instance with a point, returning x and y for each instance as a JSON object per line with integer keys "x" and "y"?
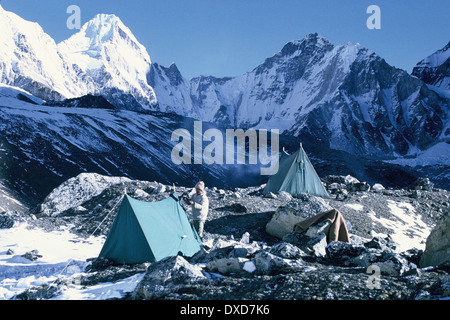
{"x": 409, "y": 230}
{"x": 64, "y": 257}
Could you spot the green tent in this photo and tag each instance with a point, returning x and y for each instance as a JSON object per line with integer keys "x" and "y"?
{"x": 296, "y": 175}
{"x": 150, "y": 231}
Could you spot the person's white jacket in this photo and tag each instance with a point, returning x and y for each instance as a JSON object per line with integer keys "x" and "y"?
{"x": 200, "y": 207}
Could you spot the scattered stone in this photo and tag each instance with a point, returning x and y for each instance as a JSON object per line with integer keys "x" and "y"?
{"x": 314, "y": 246}
{"x": 381, "y": 243}
{"x": 378, "y": 187}
{"x": 227, "y": 266}
{"x": 287, "y": 250}
{"x": 233, "y": 264}
{"x": 340, "y": 252}
{"x": 32, "y": 255}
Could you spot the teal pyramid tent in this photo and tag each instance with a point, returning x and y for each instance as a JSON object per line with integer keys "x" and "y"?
{"x": 296, "y": 175}
{"x": 150, "y": 231}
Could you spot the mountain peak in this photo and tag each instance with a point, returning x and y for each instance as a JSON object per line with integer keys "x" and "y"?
{"x": 108, "y": 52}
{"x": 435, "y": 69}
{"x": 312, "y": 40}
{"x": 103, "y": 21}
{"x": 105, "y": 28}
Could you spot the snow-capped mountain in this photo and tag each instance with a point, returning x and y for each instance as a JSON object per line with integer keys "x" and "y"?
{"x": 344, "y": 96}
{"x": 29, "y": 59}
{"x": 103, "y": 58}
{"x": 173, "y": 90}
{"x": 435, "y": 69}
{"x": 109, "y": 54}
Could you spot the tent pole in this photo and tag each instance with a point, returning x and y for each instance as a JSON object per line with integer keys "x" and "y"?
{"x": 120, "y": 200}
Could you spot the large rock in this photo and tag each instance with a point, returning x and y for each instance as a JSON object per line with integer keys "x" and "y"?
{"x": 271, "y": 264}
{"x": 6, "y": 220}
{"x": 314, "y": 246}
{"x": 303, "y": 207}
{"x": 227, "y": 266}
{"x": 75, "y": 191}
{"x": 165, "y": 276}
{"x": 437, "y": 250}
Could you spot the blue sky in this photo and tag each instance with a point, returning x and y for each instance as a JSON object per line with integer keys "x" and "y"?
{"x": 231, "y": 37}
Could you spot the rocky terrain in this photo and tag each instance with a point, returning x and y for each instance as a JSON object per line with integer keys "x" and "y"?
{"x": 245, "y": 256}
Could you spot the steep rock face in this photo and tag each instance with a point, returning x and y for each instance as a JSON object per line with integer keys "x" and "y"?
{"x": 435, "y": 69}
{"x": 172, "y": 90}
{"x": 377, "y": 108}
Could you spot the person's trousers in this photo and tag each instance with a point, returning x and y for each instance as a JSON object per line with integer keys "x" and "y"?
{"x": 199, "y": 225}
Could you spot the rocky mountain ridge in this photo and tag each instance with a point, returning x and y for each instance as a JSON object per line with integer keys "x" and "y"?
{"x": 435, "y": 69}
{"x": 343, "y": 97}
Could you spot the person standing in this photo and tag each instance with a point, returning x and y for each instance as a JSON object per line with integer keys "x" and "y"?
{"x": 200, "y": 207}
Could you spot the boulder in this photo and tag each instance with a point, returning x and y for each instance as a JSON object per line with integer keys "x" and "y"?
{"x": 6, "y": 221}
{"x": 163, "y": 277}
{"x": 271, "y": 264}
{"x": 32, "y": 255}
{"x": 422, "y": 184}
{"x": 437, "y": 249}
{"x": 381, "y": 243}
{"x": 393, "y": 264}
{"x": 340, "y": 252}
{"x": 314, "y": 246}
{"x": 378, "y": 187}
{"x": 227, "y": 266}
{"x": 75, "y": 191}
{"x": 287, "y": 250}
{"x": 303, "y": 207}
{"x": 389, "y": 263}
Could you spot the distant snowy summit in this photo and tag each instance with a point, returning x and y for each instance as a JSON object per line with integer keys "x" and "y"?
{"x": 103, "y": 58}
{"x": 107, "y": 52}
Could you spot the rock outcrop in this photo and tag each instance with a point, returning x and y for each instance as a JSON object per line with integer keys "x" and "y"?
{"x": 437, "y": 251}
